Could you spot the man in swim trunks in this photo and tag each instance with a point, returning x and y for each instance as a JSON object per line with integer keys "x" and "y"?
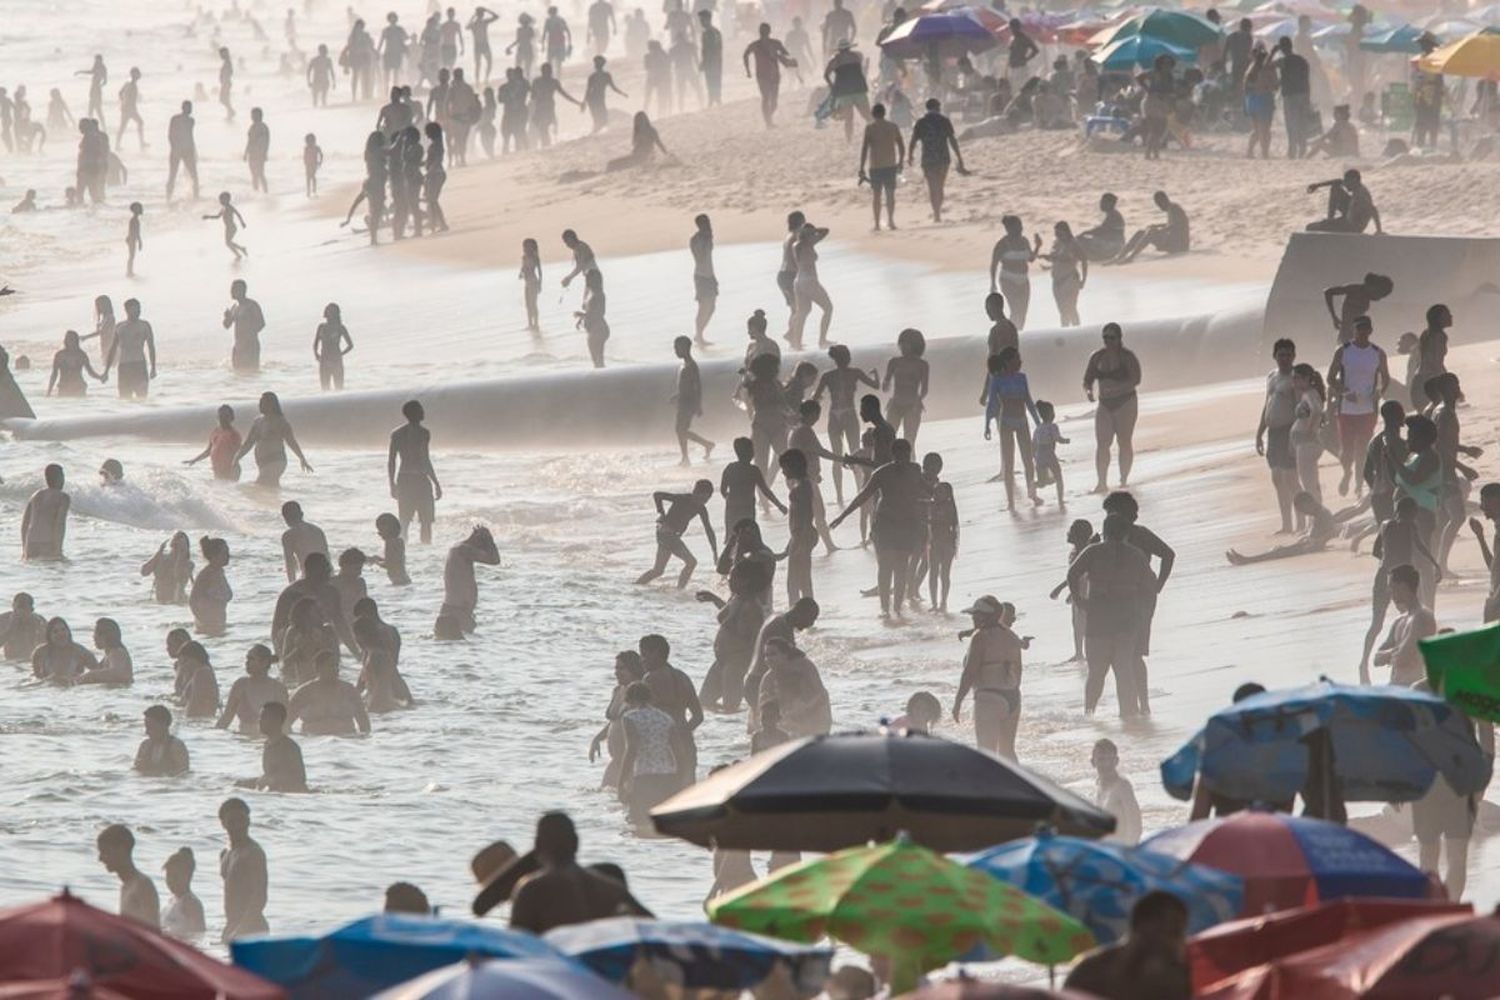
{"x": 134, "y": 341}
{"x": 138, "y": 898}
{"x": 1273, "y": 435}
{"x": 247, "y": 320}
{"x": 705, "y": 282}
{"x": 243, "y": 867}
{"x": 674, "y": 513}
{"x": 460, "y": 588}
{"x": 415, "y": 486}
{"x": 882, "y": 152}
{"x": 44, "y": 522}
{"x": 689, "y": 400}
{"x": 786, "y": 278}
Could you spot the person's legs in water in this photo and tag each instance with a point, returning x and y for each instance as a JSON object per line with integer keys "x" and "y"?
{"x": 1008, "y": 467}
{"x": 1097, "y": 650}
{"x": 1018, "y": 294}
{"x": 1028, "y": 461}
{"x": 685, "y": 433}
{"x": 802, "y": 304}
{"x": 937, "y": 178}
{"x": 819, "y": 297}
{"x": 669, "y": 544}
{"x": 1125, "y": 416}
{"x": 1380, "y": 601}
{"x": 885, "y": 568}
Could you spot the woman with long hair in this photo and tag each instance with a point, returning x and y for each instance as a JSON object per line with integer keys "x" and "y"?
{"x": 270, "y": 436}
{"x": 1070, "y": 272}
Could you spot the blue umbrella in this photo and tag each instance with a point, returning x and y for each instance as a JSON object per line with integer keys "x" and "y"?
{"x": 1397, "y": 41}
{"x": 515, "y": 979}
{"x": 377, "y": 952}
{"x": 1181, "y": 28}
{"x": 947, "y": 34}
{"x": 1125, "y": 54}
{"x": 1389, "y": 745}
{"x": 1098, "y": 881}
{"x": 701, "y": 955}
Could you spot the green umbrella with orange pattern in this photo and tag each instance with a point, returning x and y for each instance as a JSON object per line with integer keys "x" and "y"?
{"x": 906, "y": 903}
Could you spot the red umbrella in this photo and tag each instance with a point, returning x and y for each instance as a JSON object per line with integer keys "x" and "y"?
{"x": 56, "y": 939}
{"x": 1222, "y": 951}
{"x": 1448, "y": 956}
{"x": 72, "y": 988}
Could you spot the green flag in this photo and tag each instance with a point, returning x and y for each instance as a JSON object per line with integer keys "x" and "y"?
{"x": 1465, "y": 668}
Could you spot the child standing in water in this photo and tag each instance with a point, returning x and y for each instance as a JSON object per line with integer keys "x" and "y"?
{"x": 230, "y": 215}
{"x": 183, "y": 918}
{"x": 1080, "y": 536}
{"x": 330, "y": 343}
{"x": 312, "y": 159}
{"x": 133, "y": 242}
{"x": 942, "y": 545}
{"x": 388, "y": 527}
{"x": 531, "y": 277}
{"x": 1048, "y": 437}
{"x": 223, "y": 447}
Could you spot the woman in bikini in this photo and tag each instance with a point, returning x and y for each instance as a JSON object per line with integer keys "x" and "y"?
{"x": 270, "y": 436}
{"x": 1010, "y": 264}
{"x": 1008, "y": 402}
{"x": 1117, "y": 372}
{"x": 841, "y": 382}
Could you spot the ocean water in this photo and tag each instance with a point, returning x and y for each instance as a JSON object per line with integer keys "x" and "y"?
{"x": 504, "y": 720}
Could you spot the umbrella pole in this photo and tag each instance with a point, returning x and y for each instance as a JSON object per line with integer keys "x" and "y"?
{"x": 1051, "y": 977}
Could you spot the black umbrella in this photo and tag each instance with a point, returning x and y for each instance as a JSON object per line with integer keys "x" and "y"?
{"x": 826, "y": 793}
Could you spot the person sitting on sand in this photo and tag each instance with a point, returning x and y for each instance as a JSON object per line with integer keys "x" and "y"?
{"x": 644, "y": 142}
{"x": 1351, "y": 208}
{"x": 1170, "y": 237}
{"x": 1104, "y": 242}
{"x": 674, "y": 514}
{"x": 328, "y": 705}
{"x": 1321, "y": 529}
{"x": 161, "y": 755}
{"x": 1341, "y": 141}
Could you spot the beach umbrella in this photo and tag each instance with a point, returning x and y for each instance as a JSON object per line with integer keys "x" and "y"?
{"x": 1445, "y": 26}
{"x": 824, "y": 793}
{"x": 1289, "y": 861}
{"x": 1297, "y": 8}
{"x": 1389, "y": 744}
{"x": 1099, "y": 881}
{"x": 905, "y": 902}
{"x": 1478, "y": 55}
{"x": 64, "y": 937}
{"x": 947, "y": 34}
{"x": 79, "y": 987}
{"x": 697, "y": 955}
{"x": 1124, "y": 54}
{"x": 1180, "y": 28}
{"x": 1402, "y": 40}
{"x": 1227, "y": 949}
{"x": 378, "y": 952}
{"x": 1450, "y": 956}
{"x": 478, "y": 978}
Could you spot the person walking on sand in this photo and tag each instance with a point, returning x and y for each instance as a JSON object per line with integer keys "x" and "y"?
{"x": 688, "y": 400}
{"x": 769, "y": 55}
{"x": 992, "y": 671}
{"x": 933, "y": 132}
{"x": 134, "y": 342}
{"x": 711, "y": 57}
{"x": 1114, "y": 372}
{"x": 882, "y": 152}
{"x": 596, "y": 91}
{"x": 900, "y": 492}
{"x": 674, "y": 514}
{"x": 233, "y": 223}
{"x": 1357, "y": 378}
{"x": 413, "y": 482}
{"x": 705, "y": 282}
{"x": 1273, "y": 435}
{"x": 1010, "y": 264}
{"x": 270, "y": 436}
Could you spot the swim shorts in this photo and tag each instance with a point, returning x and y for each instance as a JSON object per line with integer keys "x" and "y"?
{"x": 1279, "y": 453}
{"x": 414, "y": 498}
{"x": 883, "y": 179}
{"x": 133, "y": 380}
{"x": 705, "y": 287}
{"x": 784, "y": 281}
{"x": 1355, "y": 431}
